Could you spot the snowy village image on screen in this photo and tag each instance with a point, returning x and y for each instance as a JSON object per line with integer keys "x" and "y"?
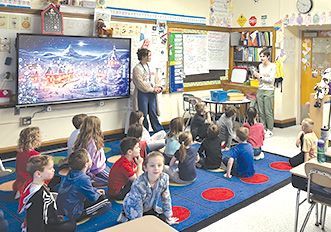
{"x": 62, "y": 68}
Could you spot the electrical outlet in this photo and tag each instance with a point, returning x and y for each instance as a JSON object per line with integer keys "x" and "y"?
{"x": 25, "y": 121}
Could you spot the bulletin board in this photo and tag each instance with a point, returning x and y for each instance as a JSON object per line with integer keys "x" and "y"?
{"x": 202, "y": 56}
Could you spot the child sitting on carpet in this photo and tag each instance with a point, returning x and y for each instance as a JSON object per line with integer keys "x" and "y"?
{"x": 307, "y": 142}
{"x": 225, "y": 124}
{"x": 126, "y": 169}
{"x": 77, "y": 197}
{"x": 136, "y": 130}
{"x": 91, "y": 139}
{"x": 210, "y": 149}
{"x": 200, "y": 122}
{"x": 187, "y": 156}
{"x": 154, "y": 142}
{"x": 28, "y": 141}
{"x": 39, "y": 202}
{"x": 77, "y": 121}
{"x": 256, "y": 133}
{"x": 172, "y": 145}
{"x": 147, "y": 189}
{"x": 240, "y": 163}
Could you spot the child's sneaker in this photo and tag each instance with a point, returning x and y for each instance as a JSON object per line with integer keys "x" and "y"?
{"x": 259, "y": 157}
{"x": 268, "y": 134}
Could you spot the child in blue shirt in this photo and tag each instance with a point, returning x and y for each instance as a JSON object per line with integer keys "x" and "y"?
{"x": 77, "y": 197}
{"x": 241, "y": 161}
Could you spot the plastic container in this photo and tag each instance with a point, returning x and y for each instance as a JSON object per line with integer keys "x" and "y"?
{"x": 321, "y": 151}
{"x": 254, "y": 83}
{"x": 218, "y": 95}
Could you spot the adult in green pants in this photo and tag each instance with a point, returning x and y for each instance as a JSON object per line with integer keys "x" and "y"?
{"x": 265, "y": 93}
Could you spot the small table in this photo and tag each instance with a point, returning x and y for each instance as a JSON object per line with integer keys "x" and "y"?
{"x": 245, "y": 102}
{"x": 146, "y": 223}
{"x": 299, "y": 180}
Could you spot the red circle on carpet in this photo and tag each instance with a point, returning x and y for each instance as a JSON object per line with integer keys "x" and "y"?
{"x": 217, "y": 194}
{"x": 181, "y": 213}
{"x": 281, "y": 166}
{"x": 256, "y": 179}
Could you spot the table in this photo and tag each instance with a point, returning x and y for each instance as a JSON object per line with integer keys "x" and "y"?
{"x": 245, "y": 102}
{"x": 146, "y": 223}
{"x": 299, "y": 181}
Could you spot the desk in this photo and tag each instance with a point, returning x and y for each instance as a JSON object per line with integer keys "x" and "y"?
{"x": 146, "y": 223}
{"x": 245, "y": 102}
{"x": 299, "y": 181}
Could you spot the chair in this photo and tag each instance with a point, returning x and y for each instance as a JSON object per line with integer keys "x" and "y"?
{"x": 189, "y": 102}
{"x": 318, "y": 191}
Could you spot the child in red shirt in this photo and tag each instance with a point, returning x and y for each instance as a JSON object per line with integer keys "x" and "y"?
{"x": 126, "y": 169}
{"x": 29, "y": 140}
{"x": 256, "y": 133}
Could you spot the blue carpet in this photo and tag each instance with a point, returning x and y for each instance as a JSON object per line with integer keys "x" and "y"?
{"x": 201, "y": 211}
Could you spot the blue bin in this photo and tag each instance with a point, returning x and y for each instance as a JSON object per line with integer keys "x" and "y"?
{"x": 219, "y": 95}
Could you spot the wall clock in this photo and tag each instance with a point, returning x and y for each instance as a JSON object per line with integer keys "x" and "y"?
{"x": 304, "y": 6}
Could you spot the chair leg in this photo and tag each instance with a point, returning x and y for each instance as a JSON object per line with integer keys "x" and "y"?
{"x": 324, "y": 215}
{"x": 321, "y": 216}
{"x": 317, "y": 223}
{"x": 307, "y": 217}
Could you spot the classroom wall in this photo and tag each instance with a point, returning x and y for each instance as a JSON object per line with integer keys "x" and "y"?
{"x": 192, "y": 7}
{"x": 287, "y": 104}
{"x": 57, "y": 123}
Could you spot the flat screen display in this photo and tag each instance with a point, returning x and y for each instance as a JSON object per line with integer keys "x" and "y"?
{"x": 60, "y": 69}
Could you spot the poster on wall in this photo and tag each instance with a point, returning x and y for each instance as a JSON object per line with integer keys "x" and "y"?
{"x": 176, "y": 67}
{"x": 150, "y": 36}
{"x": 218, "y": 50}
{"x": 195, "y": 50}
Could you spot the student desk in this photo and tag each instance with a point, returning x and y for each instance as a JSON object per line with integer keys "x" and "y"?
{"x": 299, "y": 180}
{"x": 245, "y": 102}
{"x": 146, "y": 223}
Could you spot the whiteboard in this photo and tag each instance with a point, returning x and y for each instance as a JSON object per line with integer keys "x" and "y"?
{"x": 195, "y": 49}
{"x": 218, "y": 50}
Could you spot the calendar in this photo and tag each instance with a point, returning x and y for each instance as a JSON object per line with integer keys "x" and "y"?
{"x": 52, "y": 21}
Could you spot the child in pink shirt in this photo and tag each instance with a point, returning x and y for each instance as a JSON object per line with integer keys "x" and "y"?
{"x": 256, "y": 133}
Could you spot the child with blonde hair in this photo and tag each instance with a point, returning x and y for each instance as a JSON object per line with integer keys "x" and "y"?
{"x": 39, "y": 202}
{"x": 28, "y": 141}
{"x": 306, "y": 141}
{"x": 172, "y": 144}
{"x": 153, "y": 184}
{"x": 187, "y": 157}
{"x": 239, "y": 160}
{"x": 154, "y": 142}
{"x": 91, "y": 138}
{"x": 256, "y": 133}
{"x": 200, "y": 122}
{"x": 77, "y": 121}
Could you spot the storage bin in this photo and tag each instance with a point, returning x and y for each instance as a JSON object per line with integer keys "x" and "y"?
{"x": 254, "y": 83}
{"x": 218, "y": 95}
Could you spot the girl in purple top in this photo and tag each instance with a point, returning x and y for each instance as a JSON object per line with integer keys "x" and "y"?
{"x": 91, "y": 138}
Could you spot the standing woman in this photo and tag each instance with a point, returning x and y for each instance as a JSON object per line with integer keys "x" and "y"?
{"x": 265, "y": 93}
{"x": 147, "y": 86}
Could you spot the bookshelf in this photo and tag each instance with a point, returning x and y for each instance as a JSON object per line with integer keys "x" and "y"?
{"x": 246, "y": 52}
